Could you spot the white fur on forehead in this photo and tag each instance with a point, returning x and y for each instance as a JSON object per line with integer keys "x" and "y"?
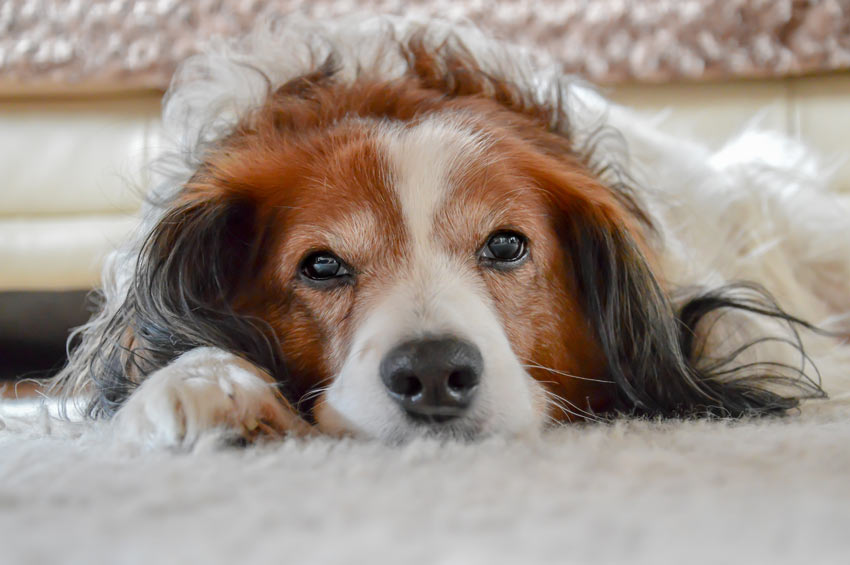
{"x": 423, "y": 160}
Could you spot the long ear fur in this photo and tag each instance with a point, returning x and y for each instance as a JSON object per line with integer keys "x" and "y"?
{"x": 653, "y": 357}
{"x": 181, "y": 296}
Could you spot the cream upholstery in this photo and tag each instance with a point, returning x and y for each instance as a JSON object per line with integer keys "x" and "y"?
{"x": 72, "y": 180}
{"x": 72, "y": 167}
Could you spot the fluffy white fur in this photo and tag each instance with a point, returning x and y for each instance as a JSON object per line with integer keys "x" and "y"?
{"x": 202, "y": 390}
{"x": 760, "y": 209}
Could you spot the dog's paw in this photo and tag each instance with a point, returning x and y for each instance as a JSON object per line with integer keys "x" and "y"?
{"x": 205, "y": 390}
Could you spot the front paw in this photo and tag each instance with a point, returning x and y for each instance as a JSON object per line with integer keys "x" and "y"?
{"x": 202, "y": 391}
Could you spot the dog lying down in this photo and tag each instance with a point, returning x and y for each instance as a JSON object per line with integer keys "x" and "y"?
{"x": 389, "y": 228}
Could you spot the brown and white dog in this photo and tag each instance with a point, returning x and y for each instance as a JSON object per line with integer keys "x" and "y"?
{"x": 387, "y": 228}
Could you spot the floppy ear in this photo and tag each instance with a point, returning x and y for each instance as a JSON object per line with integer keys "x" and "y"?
{"x": 650, "y": 349}
{"x": 189, "y": 271}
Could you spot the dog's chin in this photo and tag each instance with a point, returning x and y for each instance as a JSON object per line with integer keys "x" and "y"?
{"x": 465, "y": 429}
{"x": 398, "y": 428}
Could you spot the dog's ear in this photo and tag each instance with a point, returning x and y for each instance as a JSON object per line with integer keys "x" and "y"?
{"x": 190, "y": 269}
{"x": 650, "y": 350}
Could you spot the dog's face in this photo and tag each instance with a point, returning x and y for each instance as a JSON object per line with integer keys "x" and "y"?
{"x": 415, "y": 279}
{"x": 411, "y": 267}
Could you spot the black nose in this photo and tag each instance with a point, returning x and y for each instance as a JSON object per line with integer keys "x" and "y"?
{"x": 433, "y": 379}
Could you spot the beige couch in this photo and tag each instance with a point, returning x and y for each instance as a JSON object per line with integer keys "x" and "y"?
{"x": 71, "y": 184}
{"x": 73, "y": 167}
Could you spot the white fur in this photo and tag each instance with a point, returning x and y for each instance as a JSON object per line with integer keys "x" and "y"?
{"x": 760, "y": 209}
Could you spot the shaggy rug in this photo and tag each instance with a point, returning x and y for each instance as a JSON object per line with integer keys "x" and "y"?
{"x": 770, "y": 491}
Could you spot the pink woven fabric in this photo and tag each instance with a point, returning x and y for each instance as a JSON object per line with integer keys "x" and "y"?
{"x": 58, "y": 45}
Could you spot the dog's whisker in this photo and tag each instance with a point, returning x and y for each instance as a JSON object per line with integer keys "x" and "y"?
{"x": 311, "y": 394}
{"x": 563, "y": 409}
{"x": 560, "y": 402}
{"x": 530, "y": 365}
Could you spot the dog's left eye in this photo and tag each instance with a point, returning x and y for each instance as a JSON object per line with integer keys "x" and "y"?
{"x": 323, "y": 266}
{"x": 505, "y": 248}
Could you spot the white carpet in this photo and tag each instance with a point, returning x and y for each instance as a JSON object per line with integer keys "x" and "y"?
{"x": 635, "y": 492}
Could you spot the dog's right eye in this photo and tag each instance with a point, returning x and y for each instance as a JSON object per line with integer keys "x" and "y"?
{"x": 324, "y": 266}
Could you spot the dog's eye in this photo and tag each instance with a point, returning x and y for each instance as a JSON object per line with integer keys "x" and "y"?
{"x": 505, "y": 249}
{"x": 323, "y": 266}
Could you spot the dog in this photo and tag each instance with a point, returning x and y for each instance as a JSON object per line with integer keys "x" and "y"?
{"x": 390, "y": 228}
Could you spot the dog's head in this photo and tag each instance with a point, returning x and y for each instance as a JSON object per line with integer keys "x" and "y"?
{"x": 425, "y": 253}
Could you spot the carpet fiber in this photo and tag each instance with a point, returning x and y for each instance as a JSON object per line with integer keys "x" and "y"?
{"x": 774, "y": 491}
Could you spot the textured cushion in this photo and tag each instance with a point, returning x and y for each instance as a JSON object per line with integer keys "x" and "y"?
{"x": 71, "y": 46}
